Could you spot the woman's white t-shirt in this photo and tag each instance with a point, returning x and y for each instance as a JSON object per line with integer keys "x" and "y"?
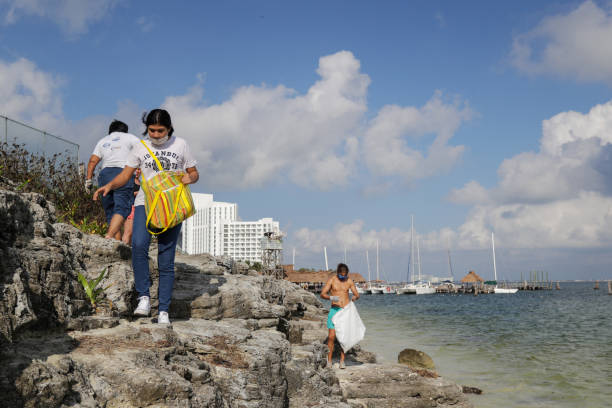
{"x": 174, "y": 155}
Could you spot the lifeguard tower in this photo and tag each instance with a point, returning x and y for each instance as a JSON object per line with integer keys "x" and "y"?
{"x": 272, "y": 254}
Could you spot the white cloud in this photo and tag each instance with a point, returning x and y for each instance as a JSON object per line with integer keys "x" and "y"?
{"x": 574, "y": 157}
{"x": 264, "y": 134}
{"x": 32, "y": 96}
{"x": 352, "y": 236}
{"x": 560, "y": 196}
{"x": 574, "y": 45}
{"x": 72, "y": 16}
{"x": 27, "y": 93}
{"x": 387, "y": 149}
{"x": 471, "y": 193}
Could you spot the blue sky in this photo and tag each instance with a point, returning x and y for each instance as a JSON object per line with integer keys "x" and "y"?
{"x": 340, "y": 119}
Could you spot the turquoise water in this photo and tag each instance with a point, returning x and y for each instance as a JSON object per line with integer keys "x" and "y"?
{"x": 530, "y": 349}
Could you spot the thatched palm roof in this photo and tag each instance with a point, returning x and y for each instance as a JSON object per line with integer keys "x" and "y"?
{"x": 317, "y": 277}
{"x": 472, "y": 277}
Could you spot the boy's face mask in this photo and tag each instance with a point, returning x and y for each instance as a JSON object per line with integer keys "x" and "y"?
{"x": 342, "y": 277}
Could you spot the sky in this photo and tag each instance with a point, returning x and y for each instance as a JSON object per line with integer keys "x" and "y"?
{"x": 341, "y": 119}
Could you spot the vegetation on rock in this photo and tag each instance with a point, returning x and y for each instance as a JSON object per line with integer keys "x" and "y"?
{"x": 59, "y": 180}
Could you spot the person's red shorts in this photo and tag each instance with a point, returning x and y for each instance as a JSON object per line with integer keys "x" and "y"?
{"x": 131, "y": 216}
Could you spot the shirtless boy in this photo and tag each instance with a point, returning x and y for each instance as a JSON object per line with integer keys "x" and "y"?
{"x": 337, "y": 290}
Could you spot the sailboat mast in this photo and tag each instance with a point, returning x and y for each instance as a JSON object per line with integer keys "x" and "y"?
{"x": 493, "y": 248}
{"x": 419, "y": 258}
{"x": 368, "y": 262}
{"x": 293, "y": 256}
{"x": 412, "y": 246}
{"x": 344, "y": 254}
{"x": 377, "y": 263}
{"x": 450, "y": 265}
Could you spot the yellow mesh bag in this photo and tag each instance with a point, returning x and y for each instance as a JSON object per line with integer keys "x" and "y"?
{"x": 168, "y": 201}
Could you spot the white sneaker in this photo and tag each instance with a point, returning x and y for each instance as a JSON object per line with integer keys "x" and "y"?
{"x": 163, "y": 318}
{"x": 144, "y": 306}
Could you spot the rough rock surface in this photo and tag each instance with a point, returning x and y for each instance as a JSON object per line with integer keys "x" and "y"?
{"x": 416, "y": 359}
{"x": 394, "y": 386}
{"x": 238, "y": 339}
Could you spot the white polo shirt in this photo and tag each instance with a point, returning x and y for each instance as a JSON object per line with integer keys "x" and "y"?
{"x": 115, "y": 148}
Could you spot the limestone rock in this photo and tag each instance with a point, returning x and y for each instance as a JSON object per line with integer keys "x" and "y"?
{"x": 38, "y": 265}
{"x": 395, "y": 385}
{"x": 416, "y": 359}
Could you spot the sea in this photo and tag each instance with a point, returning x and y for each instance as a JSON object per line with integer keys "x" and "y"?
{"x": 550, "y": 348}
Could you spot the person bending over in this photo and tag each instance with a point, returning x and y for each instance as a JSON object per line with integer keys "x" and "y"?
{"x": 112, "y": 152}
{"x": 337, "y": 290}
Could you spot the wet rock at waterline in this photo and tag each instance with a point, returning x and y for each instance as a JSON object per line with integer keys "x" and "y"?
{"x": 416, "y": 359}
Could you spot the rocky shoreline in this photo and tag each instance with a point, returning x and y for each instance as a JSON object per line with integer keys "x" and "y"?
{"x": 238, "y": 339}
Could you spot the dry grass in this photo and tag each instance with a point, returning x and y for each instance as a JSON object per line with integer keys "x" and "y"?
{"x": 227, "y": 354}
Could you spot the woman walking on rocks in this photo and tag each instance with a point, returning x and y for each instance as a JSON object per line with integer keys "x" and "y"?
{"x": 176, "y": 156}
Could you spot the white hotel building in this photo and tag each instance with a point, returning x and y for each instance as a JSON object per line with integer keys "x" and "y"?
{"x": 216, "y": 229}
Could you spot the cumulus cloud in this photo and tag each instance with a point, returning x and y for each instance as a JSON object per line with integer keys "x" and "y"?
{"x": 353, "y": 236}
{"x": 314, "y": 139}
{"x": 265, "y": 133}
{"x": 389, "y": 142}
{"x": 32, "y": 96}
{"x": 27, "y": 93}
{"x": 571, "y": 45}
{"x": 574, "y": 157}
{"x": 560, "y": 196}
{"x": 72, "y": 16}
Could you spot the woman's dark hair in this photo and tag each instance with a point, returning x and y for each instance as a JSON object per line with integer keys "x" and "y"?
{"x": 340, "y": 266}
{"x": 157, "y": 117}
{"x": 117, "y": 126}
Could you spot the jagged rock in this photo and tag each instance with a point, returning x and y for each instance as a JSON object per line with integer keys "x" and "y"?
{"x": 396, "y": 385}
{"x": 416, "y": 359}
{"x": 471, "y": 390}
{"x": 310, "y": 382}
{"x": 37, "y": 267}
{"x": 205, "y": 263}
{"x": 360, "y": 355}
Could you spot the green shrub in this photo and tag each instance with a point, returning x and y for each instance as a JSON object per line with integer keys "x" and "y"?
{"x": 59, "y": 180}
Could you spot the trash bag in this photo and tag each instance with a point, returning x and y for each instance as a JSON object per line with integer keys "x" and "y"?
{"x": 349, "y": 327}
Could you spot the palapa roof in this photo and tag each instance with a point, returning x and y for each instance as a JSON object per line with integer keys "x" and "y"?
{"x": 317, "y": 277}
{"x": 472, "y": 277}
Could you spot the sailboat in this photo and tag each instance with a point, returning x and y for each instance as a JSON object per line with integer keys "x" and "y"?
{"x": 377, "y": 289}
{"x": 422, "y": 287}
{"x": 419, "y": 287}
{"x": 496, "y": 289}
{"x": 364, "y": 289}
{"x": 409, "y": 288}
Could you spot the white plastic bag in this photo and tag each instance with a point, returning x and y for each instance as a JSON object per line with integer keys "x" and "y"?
{"x": 349, "y": 327}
